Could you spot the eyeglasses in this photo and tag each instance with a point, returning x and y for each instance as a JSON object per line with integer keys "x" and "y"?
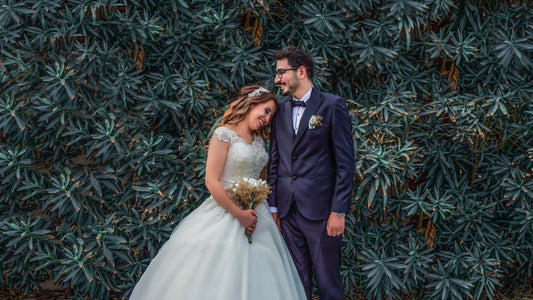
{"x": 280, "y": 72}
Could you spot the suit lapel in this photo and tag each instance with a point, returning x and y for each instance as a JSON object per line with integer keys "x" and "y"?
{"x": 287, "y": 118}
{"x": 312, "y": 105}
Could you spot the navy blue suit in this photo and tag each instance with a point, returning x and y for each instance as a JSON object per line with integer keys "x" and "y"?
{"x": 311, "y": 175}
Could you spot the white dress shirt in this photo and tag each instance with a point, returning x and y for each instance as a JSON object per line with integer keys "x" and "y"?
{"x": 298, "y": 111}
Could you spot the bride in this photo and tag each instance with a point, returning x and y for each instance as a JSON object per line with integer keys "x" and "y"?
{"x": 208, "y": 255}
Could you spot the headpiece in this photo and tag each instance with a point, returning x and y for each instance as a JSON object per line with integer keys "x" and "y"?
{"x": 257, "y": 92}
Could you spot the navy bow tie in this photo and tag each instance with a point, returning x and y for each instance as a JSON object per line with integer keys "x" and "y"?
{"x": 298, "y": 103}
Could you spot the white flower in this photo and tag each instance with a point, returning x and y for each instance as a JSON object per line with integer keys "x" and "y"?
{"x": 314, "y": 121}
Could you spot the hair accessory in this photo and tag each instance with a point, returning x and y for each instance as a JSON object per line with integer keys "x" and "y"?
{"x": 257, "y": 92}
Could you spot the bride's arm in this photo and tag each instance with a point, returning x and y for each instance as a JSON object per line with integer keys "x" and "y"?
{"x": 216, "y": 158}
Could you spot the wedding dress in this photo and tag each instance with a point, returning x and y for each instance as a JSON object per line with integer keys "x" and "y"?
{"x": 208, "y": 256}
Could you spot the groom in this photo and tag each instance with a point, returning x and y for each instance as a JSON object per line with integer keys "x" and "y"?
{"x": 310, "y": 172}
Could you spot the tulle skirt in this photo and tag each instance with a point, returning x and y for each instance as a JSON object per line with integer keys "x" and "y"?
{"x": 208, "y": 257}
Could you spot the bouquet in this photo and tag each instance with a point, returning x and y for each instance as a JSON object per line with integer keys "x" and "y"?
{"x": 248, "y": 193}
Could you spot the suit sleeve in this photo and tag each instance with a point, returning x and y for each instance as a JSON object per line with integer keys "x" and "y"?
{"x": 344, "y": 158}
{"x": 273, "y": 164}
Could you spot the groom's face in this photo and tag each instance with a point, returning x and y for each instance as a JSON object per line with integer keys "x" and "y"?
{"x": 286, "y": 79}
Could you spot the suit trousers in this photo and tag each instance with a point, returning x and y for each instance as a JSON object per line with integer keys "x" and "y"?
{"x": 312, "y": 248}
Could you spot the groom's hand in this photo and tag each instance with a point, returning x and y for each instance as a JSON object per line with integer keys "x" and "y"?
{"x": 276, "y": 219}
{"x": 335, "y": 226}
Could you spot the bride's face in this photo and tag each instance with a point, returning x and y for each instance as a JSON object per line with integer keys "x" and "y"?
{"x": 260, "y": 115}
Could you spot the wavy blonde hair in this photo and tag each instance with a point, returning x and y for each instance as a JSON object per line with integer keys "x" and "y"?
{"x": 239, "y": 108}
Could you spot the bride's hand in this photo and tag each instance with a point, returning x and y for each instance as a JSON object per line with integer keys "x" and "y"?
{"x": 248, "y": 219}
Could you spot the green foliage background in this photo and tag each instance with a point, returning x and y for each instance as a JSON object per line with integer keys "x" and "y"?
{"x": 106, "y": 108}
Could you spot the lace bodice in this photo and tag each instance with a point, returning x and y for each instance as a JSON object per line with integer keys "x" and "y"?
{"x": 243, "y": 159}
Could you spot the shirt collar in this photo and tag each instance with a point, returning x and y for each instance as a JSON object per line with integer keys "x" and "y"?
{"x": 305, "y": 97}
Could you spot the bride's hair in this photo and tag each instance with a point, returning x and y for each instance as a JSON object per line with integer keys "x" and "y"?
{"x": 248, "y": 97}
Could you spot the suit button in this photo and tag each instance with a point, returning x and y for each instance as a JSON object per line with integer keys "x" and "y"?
{"x": 294, "y": 177}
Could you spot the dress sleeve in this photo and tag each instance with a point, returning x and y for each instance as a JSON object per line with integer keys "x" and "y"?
{"x": 225, "y": 134}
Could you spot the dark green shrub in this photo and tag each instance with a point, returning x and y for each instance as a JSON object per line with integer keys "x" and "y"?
{"x": 106, "y": 108}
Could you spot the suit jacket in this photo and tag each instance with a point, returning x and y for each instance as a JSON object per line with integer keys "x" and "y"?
{"x": 315, "y": 167}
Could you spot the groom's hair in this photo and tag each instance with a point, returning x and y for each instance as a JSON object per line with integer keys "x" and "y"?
{"x": 297, "y": 57}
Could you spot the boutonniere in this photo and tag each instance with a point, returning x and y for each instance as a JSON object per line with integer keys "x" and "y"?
{"x": 315, "y": 121}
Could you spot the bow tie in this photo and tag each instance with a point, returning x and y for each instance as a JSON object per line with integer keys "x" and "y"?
{"x": 298, "y": 103}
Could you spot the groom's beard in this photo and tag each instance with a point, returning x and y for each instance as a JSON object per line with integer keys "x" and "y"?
{"x": 290, "y": 88}
{"x": 285, "y": 92}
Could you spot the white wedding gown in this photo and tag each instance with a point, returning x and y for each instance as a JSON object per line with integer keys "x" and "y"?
{"x": 208, "y": 256}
